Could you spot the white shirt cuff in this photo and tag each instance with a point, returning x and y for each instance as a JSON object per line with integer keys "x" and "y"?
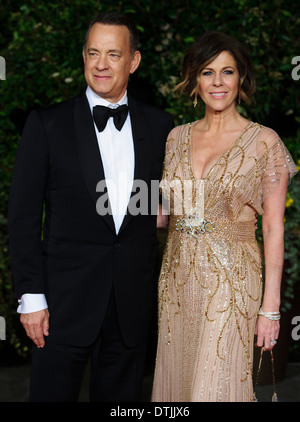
{"x": 32, "y": 302}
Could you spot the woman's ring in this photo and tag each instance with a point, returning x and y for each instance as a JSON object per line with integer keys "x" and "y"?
{"x": 273, "y": 341}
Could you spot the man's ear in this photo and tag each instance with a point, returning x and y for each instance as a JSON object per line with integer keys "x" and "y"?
{"x": 83, "y": 55}
{"x": 136, "y": 59}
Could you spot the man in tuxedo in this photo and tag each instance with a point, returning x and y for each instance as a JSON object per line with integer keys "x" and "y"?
{"x": 85, "y": 275}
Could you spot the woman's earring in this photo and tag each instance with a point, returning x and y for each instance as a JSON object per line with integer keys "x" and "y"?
{"x": 240, "y": 92}
{"x": 195, "y": 102}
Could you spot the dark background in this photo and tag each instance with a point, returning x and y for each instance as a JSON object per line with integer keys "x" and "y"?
{"x": 42, "y": 44}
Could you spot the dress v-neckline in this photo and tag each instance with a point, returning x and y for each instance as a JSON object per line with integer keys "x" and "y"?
{"x": 190, "y": 133}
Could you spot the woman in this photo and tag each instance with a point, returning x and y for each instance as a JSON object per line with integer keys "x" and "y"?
{"x": 219, "y": 172}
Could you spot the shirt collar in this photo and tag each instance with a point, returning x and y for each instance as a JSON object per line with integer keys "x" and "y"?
{"x": 95, "y": 99}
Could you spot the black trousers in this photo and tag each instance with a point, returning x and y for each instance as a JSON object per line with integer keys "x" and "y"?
{"x": 116, "y": 370}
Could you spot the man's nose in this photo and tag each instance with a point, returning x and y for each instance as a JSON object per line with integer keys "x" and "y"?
{"x": 102, "y": 62}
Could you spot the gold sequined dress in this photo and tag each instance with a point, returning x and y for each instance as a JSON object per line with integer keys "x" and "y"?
{"x": 211, "y": 277}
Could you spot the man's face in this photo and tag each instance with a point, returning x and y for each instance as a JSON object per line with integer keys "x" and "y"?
{"x": 108, "y": 61}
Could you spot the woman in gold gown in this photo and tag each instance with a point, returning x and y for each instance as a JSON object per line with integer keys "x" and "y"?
{"x": 219, "y": 172}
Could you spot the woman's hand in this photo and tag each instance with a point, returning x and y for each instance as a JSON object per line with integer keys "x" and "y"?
{"x": 267, "y": 332}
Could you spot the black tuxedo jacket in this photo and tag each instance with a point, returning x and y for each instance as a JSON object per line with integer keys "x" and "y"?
{"x": 79, "y": 259}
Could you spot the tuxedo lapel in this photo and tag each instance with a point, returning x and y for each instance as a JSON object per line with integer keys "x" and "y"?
{"x": 89, "y": 154}
{"x": 140, "y": 139}
{"x": 142, "y": 148}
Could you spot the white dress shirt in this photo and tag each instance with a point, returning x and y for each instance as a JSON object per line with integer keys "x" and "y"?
{"x": 117, "y": 153}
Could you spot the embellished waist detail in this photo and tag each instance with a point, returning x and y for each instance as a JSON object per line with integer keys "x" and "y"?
{"x": 193, "y": 226}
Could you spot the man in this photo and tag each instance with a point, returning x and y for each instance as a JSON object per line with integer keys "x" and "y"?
{"x": 87, "y": 289}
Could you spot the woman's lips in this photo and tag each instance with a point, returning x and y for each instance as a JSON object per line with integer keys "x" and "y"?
{"x": 218, "y": 95}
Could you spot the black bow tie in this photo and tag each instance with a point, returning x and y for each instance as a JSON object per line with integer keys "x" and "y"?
{"x": 101, "y": 114}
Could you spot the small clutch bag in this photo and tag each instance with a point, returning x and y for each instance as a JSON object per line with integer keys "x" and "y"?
{"x": 274, "y": 397}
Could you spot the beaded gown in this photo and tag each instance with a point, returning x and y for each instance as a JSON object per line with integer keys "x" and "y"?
{"x": 211, "y": 277}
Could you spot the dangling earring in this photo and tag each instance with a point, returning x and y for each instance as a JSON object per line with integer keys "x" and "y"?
{"x": 196, "y": 90}
{"x": 240, "y": 90}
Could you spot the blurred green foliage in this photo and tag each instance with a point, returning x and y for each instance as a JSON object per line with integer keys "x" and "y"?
{"x": 42, "y": 44}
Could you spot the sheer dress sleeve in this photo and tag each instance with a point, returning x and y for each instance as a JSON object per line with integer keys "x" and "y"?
{"x": 274, "y": 161}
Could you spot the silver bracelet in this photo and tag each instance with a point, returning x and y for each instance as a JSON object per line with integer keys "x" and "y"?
{"x": 274, "y": 316}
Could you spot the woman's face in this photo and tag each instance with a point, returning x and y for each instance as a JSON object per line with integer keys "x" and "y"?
{"x": 219, "y": 82}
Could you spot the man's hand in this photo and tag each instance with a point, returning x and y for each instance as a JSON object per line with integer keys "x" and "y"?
{"x": 255, "y": 221}
{"x": 36, "y": 325}
{"x": 162, "y": 220}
